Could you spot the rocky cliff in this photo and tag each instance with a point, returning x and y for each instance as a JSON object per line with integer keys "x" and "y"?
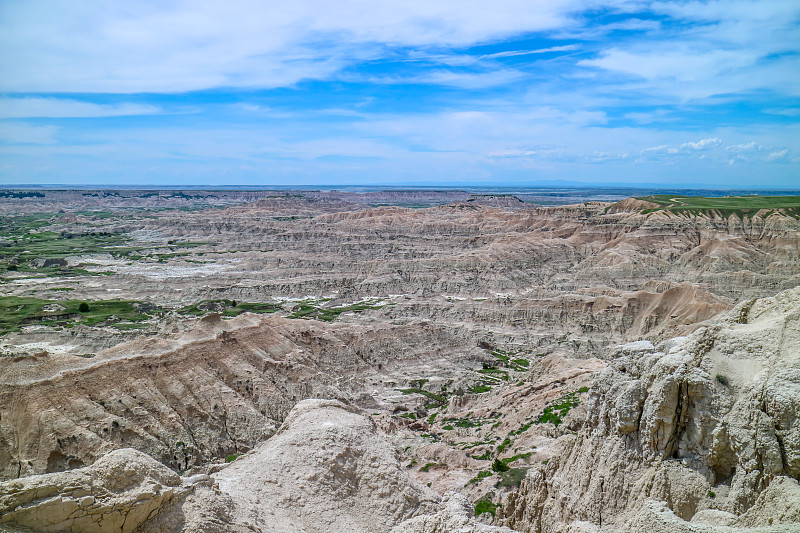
{"x": 700, "y": 431}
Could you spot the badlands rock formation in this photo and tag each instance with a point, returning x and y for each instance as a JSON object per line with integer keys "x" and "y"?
{"x": 217, "y": 389}
{"x": 326, "y": 469}
{"x": 703, "y": 430}
{"x": 699, "y": 434}
{"x": 457, "y": 350}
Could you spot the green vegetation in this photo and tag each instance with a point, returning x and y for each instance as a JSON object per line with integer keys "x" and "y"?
{"x": 512, "y": 478}
{"x": 499, "y": 466}
{"x": 20, "y": 311}
{"x": 722, "y": 379}
{"x": 313, "y": 309}
{"x": 479, "y": 389}
{"x": 518, "y": 364}
{"x": 521, "y": 430}
{"x": 485, "y": 506}
{"x": 739, "y": 206}
{"x": 464, "y": 422}
{"x": 227, "y": 308}
{"x": 712, "y": 494}
{"x": 509, "y": 460}
{"x": 555, "y": 413}
{"x": 232, "y": 457}
{"x": 503, "y": 445}
{"x": 410, "y": 416}
{"x": 427, "y": 467}
{"x": 484, "y": 457}
{"x": 483, "y": 474}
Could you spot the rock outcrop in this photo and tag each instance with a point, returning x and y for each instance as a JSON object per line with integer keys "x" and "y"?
{"x": 455, "y": 516}
{"x": 707, "y": 425}
{"x": 326, "y": 469}
{"x": 119, "y": 492}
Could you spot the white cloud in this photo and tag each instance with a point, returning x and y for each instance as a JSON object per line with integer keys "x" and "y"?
{"x": 513, "y": 53}
{"x": 752, "y": 146}
{"x": 62, "y": 107}
{"x": 787, "y": 111}
{"x": 23, "y": 133}
{"x": 686, "y": 65}
{"x": 777, "y": 156}
{"x": 702, "y": 144}
{"x": 187, "y": 45}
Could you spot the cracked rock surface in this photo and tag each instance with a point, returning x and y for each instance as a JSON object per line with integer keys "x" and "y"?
{"x": 702, "y": 429}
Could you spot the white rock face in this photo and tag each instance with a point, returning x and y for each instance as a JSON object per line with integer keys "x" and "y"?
{"x": 456, "y": 516}
{"x": 325, "y": 470}
{"x": 708, "y": 425}
{"x": 118, "y": 493}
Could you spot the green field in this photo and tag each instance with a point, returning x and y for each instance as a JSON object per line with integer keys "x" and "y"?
{"x": 16, "y": 312}
{"x": 725, "y": 206}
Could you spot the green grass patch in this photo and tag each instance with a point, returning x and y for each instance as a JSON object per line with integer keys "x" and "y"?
{"x": 483, "y": 474}
{"x": 427, "y": 467}
{"x": 228, "y": 308}
{"x": 726, "y": 206}
{"x": 556, "y": 412}
{"x": 512, "y": 478}
{"x": 503, "y": 445}
{"x": 19, "y": 311}
{"x": 485, "y": 506}
{"x": 479, "y": 389}
{"x": 314, "y": 309}
{"x": 464, "y": 422}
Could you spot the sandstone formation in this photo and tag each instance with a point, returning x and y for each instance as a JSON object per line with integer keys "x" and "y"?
{"x": 214, "y": 390}
{"x": 332, "y": 360}
{"x": 326, "y": 469}
{"x": 456, "y": 515}
{"x": 119, "y": 492}
{"x": 709, "y": 425}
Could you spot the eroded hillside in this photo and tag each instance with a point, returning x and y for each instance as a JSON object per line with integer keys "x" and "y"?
{"x": 469, "y": 334}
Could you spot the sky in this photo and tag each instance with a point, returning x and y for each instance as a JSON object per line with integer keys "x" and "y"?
{"x": 400, "y": 92}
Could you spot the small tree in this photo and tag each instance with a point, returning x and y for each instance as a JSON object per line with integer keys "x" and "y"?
{"x": 499, "y": 466}
{"x": 84, "y": 307}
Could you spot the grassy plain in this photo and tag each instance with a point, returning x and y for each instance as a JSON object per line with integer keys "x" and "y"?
{"x": 740, "y": 206}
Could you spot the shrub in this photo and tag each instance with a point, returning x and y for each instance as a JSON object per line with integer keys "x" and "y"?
{"x": 231, "y": 458}
{"x": 83, "y": 307}
{"x": 499, "y": 466}
{"x": 711, "y": 494}
{"x": 722, "y": 379}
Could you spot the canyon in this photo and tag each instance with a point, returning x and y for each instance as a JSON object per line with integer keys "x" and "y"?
{"x": 399, "y": 361}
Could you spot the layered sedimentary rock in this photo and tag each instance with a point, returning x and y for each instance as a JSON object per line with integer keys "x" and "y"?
{"x": 708, "y": 425}
{"x": 119, "y": 492}
{"x": 217, "y": 389}
{"x": 326, "y": 469}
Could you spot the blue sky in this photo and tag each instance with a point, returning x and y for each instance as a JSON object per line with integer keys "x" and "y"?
{"x": 400, "y": 92}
